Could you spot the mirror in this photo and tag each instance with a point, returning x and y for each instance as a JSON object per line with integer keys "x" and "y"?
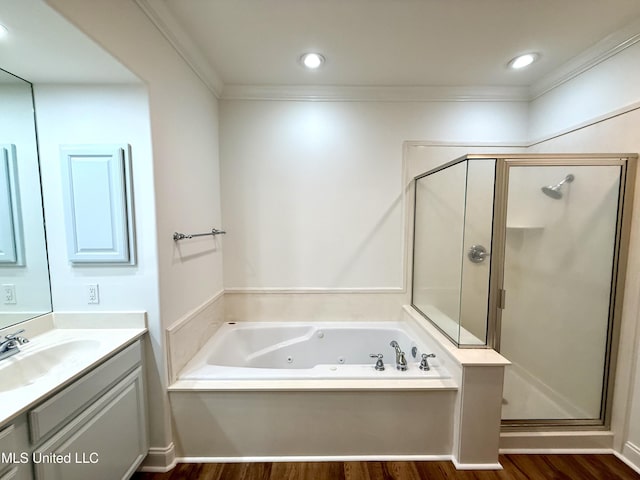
{"x": 24, "y": 272}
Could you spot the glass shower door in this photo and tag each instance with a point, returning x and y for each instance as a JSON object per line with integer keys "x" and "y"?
{"x": 559, "y": 267}
{"x": 453, "y": 221}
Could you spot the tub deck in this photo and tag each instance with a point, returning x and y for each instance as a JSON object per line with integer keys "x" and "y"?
{"x": 321, "y": 351}
{"x": 236, "y": 418}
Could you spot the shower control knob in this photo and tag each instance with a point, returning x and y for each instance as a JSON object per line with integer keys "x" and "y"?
{"x": 379, "y": 363}
{"x": 424, "y": 364}
{"x": 477, "y": 253}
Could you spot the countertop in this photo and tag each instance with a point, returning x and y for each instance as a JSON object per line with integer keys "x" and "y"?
{"x": 52, "y": 360}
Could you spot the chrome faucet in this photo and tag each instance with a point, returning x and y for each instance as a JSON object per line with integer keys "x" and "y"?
{"x": 424, "y": 364}
{"x": 379, "y": 363}
{"x": 9, "y": 346}
{"x": 401, "y": 362}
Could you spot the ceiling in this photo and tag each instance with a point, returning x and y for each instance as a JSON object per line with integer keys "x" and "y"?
{"x": 398, "y": 43}
{"x": 403, "y": 45}
{"x": 42, "y": 47}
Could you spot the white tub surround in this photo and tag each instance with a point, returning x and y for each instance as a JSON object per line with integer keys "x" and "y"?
{"x": 477, "y": 410}
{"x": 236, "y": 425}
{"x": 313, "y": 305}
{"x": 320, "y": 398}
{"x": 189, "y": 334}
{"x": 59, "y": 352}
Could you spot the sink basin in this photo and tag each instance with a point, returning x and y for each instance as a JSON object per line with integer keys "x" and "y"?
{"x": 26, "y": 368}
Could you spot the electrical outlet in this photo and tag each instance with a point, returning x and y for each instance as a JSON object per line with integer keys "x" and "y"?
{"x": 9, "y": 294}
{"x": 93, "y": 294}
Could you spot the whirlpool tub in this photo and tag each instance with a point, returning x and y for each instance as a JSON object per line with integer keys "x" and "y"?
{"x": 254, "y": 350}
{"x": 282, "y": 391}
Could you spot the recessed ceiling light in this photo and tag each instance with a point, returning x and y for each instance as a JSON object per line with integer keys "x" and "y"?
{"x": 312, "y": 60}
{"x": 4, "y": 31}
{"x": 522, "y": 61}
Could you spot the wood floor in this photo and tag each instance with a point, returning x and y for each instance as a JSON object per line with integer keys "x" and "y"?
{"x": 516, "y": 467}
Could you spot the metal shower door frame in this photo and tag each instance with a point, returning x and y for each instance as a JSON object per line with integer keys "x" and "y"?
{"x": 497, "y": 299}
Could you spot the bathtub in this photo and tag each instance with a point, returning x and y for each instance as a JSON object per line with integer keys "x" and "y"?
{"x": 324, "y": 350}
{"x": 285, "y": 391}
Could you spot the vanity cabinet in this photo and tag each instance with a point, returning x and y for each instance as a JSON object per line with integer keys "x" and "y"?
{"x": 15, "y": 456}
{"x": 94, "y": 428}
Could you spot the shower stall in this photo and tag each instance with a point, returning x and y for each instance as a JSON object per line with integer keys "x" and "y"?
{"x": 526, "y": 254}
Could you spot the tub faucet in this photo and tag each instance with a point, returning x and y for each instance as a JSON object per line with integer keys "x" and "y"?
{"x": 424, "y": 364}
{"x": 9, "y": 346}
{"x": 401, "y": 362}
{"x": 379, "y": 362}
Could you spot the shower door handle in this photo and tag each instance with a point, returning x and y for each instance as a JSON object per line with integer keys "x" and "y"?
{"x": 477, "y": 253}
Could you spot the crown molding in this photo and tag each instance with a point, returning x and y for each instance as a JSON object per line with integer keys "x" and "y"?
{"x": 165, "y": 22}
{"x": 163, "y": 19}
{"x": 594, "y": 55}
{"x": 357, "y": 93}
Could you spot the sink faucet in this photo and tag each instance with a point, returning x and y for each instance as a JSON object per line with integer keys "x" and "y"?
{"x": 401, "y": 362}
{"x": 9, "y": 346}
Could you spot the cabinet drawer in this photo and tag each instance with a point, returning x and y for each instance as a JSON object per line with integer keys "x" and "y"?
{"x": 51, "y": 414}
{"x": 7, "y": 447}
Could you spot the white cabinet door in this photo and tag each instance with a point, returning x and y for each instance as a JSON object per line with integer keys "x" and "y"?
{"x": 107, "y": 441}
{"x": 15, "y": 455}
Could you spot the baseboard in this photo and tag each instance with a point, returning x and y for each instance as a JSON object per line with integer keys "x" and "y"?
{"x": 630, "y": 455}
{"x": 345, "y": 458}
{"x": 557, "y": 451}
{"x": 159, "y": 460}
{"x": 475, "y": 466}
{"x": 556, "y": 442}
{"x": 319, "y": 458}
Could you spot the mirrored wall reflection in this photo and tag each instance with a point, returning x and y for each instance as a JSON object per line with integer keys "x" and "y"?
{"x": 24, "y": 273}
{"x": 558, "y": 266}
{"x": 452, "y": 241}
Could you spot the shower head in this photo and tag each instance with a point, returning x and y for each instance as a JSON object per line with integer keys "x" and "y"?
{"x": 553, "y": 191}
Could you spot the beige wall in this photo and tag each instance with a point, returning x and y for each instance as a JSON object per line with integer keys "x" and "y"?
{"x": 313, "y": 192}
{"x": 183, "y": 116}
{"x": 599, "y": 94}
{"x": 618, "y": 134}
